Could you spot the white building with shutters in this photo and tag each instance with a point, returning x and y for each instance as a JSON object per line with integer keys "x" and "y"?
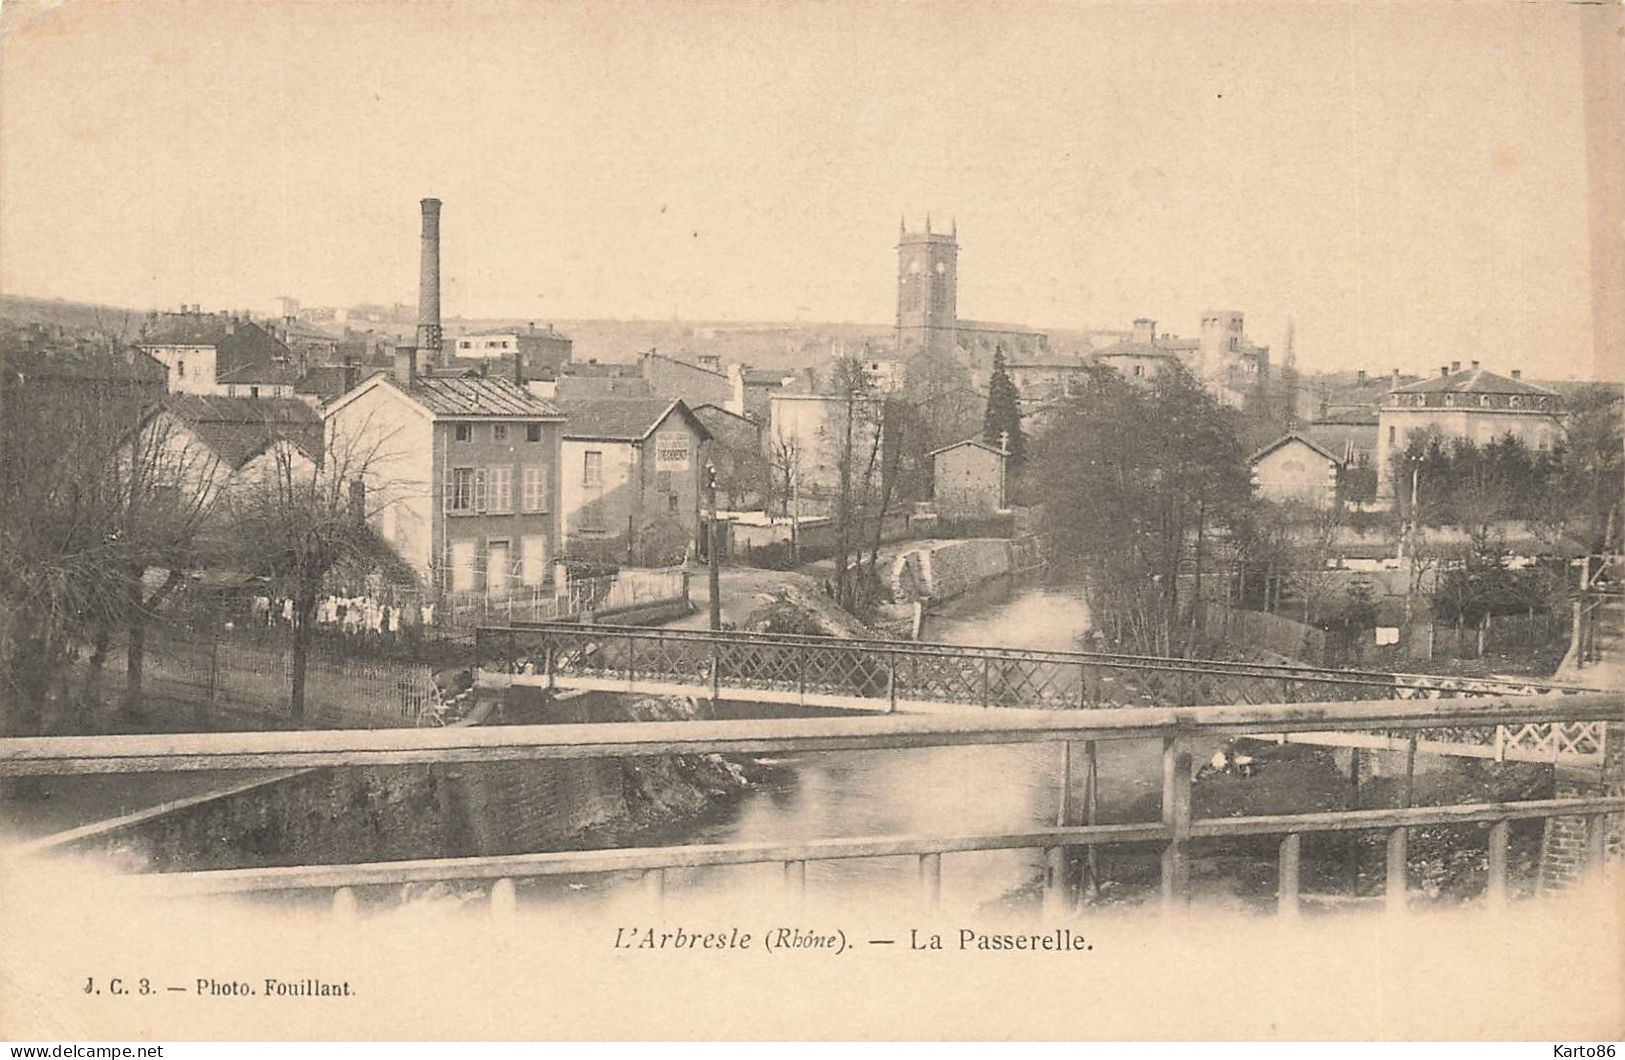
{"x": 461, "y": 476}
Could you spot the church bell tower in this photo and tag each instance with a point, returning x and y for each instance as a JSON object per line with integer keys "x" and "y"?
{"x": 927, "y": 285}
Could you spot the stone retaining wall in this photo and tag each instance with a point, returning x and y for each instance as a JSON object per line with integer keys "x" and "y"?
{"x": 941, "y": 570}
{"x": 359, "y": 814}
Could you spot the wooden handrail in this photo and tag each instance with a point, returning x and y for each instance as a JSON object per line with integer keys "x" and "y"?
{"x": 177, "y": 752}
{"x": 582, "y": 862}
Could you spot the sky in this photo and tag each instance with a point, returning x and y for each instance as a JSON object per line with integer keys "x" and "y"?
{"x": 1406, "y": 183}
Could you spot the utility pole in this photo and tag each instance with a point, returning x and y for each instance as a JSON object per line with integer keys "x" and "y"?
{"x": 714, "y": 546}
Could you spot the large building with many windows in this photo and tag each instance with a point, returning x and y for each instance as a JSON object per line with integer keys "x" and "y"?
{"x": 1471, "y": 403}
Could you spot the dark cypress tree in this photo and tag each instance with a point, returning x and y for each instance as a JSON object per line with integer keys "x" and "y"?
{"x": 1002, "y": 423}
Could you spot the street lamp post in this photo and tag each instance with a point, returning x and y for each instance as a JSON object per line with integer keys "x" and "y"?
{"x": 713, "y": 547}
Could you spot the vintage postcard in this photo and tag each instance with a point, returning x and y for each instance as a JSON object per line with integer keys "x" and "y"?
{"x": 782, "y": 521}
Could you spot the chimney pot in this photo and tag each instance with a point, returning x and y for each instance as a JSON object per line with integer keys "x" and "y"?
{"x": 1444, "y": 370}
{"x": 1475, "y": 366}
{"x": 519, "y": 369}
{"x": 1517, "y": 373}
{"x": 406, "y": 365}
{"x": 1360, "y": 377}
{"x": 1455, "y": 366}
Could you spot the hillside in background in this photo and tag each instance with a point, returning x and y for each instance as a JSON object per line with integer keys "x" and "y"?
{"x": 762, "y": 344}
{"x": 71, "y": 316}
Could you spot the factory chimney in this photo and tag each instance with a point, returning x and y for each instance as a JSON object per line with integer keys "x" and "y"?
{"x": 429, "y": 343}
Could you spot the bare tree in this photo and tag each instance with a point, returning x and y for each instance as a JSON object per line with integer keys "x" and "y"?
{"x": 300, "y": 520}
{"x": 88, "y": 503}
{"x": 161, "y": 500}
{"x": 857, "y": 441}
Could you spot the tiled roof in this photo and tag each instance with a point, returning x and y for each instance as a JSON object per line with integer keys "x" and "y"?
{"x": 263, "y": 372}
{"x": 710, "y": 410}
{"x": 1138, "y": 349}
{"x": 977, "y": 442}
{"x": 238, "y": 429}
{"x": 236, "y": 342}
{"x": 500, "y": 366}
{"x": 993, "y": 325}
{"x": 531, "y": 332}
{"x": 461, "y": 395}
{"x": 592, "y": 387}
{"x": 1292, "y": 437}
{"x": 63, "y": 361}
{"x": 691, "y": 366}
{"x": 326, "y": 381}
{"x": 1349, "y": 415}
{"x": 597, "y": 368}
{"x": 298, "y": 328}
{"x": 1472, "y": 381}
{"x": 622, "y": 419}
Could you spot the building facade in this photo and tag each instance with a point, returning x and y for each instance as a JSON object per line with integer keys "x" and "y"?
{"x": 1294, "y": 469}
{"x": 218, "y": 353}
{"x": 544, "y": 349}
{"x": 1468, "y": 403}
{"x": 212, "y": 448}
{"x": 736, "y": 449}
{"x": 968, "y": 478}
{"x": 634, "y": 477}
{"x": 461, "y": 475}
{"x": 1231, "y": 366}
{"x": 677, "y": 380}
{"x": 807, "y": 436}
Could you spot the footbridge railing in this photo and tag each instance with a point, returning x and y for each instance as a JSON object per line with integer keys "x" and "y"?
{"x": 919, "y": 677}
{"x": 1075, "y": 832}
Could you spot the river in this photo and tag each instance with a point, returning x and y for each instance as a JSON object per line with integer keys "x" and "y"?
{"x": 929, "y": 791}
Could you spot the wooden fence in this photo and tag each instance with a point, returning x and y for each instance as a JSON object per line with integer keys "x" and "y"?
{"x": 1077, "y": 830}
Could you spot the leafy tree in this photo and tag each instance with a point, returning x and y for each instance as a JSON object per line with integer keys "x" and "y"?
{"x": 1139, "y": 486}
{"x": 1002, "y": 423}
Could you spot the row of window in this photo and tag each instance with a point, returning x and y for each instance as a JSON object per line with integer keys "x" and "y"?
{"x": 490, "y": 489}
{"x": 496, "y": 569}
{"x": 1513, "y": 401}
{"x": 464, "y": 432}
{"x": 592, "y": 467}
{"x": 1485, "y": 435}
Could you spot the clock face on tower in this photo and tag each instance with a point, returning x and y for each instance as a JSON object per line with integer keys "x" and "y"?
{"x": 941, "y": 268}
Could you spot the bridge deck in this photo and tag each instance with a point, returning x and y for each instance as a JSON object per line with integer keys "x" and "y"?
{"x": 294, "y": 750}
{"x": 920, "y": 678}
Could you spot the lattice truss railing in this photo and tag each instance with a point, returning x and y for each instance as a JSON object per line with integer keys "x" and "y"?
{"x": 893, "y": 672}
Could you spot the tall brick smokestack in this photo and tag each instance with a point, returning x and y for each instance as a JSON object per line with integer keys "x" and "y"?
{"x": 429, "y": 343}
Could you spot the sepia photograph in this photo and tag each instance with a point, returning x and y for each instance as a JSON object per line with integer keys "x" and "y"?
{"x": 780, "y": 522}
